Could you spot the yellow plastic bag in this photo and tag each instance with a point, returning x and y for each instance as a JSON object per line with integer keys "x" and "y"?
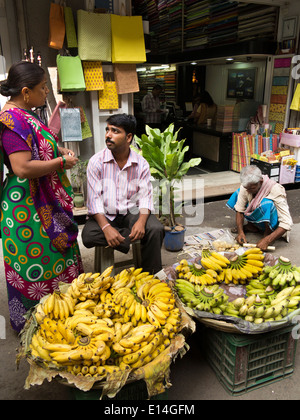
{"x": 108, "y": 97}
{"x": 93, "y": 75}
{"x": 295, "y": 105}
{"x": 128, "y": 43}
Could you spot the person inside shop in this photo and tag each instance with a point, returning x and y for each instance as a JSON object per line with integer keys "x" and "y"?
{"x": 196, "y": 103}
{"x": 207, "y": 109}
{"x": 151, "y": 107}
{"x": 39, "y": 233}
{"x": 262, "y": 203}
{"x": 120, "y": 197}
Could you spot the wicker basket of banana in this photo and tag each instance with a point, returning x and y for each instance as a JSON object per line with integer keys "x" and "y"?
{"x": 103, "y": 331}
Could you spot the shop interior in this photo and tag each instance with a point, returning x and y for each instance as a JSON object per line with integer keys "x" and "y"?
{"x": 182, "y": 83}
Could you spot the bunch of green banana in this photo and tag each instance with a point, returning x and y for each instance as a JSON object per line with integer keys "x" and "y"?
{"x": 282, "y": 274}
{"x": 203, "y": 298}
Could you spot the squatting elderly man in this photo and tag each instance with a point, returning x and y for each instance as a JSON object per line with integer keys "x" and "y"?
{"x": 263, "y": 203}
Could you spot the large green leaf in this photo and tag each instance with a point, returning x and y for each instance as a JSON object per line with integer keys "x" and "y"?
{"x": 186, "y": 166}
{"x": 171, "y": 165}
{"x": 154, "y": 156}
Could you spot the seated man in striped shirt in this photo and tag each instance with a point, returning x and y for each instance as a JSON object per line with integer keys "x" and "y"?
{"x": 120, "y": 197}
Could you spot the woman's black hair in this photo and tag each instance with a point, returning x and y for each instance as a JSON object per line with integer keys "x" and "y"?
{"x": 206, "y": 98}
{"x": 20, "y": 75}
{"x": 125, "y": 121}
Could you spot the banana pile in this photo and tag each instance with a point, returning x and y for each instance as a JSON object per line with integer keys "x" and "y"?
{"x": 105, "y": 324}
{"x": 271, "y": 292}
{"x": 203, "y": 298}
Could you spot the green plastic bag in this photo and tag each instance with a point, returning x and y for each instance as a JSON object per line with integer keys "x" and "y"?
{"x": 70, "y": 73}
{"x": 94, "y": 36}
{"x": 70, "y": 28}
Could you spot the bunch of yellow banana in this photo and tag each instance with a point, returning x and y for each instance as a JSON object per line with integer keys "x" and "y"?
{"x": 56, "y": 331}
{"x": 96, "y": 371}
{"x": 58, "y": 305}
{"x": 213, "y": 260}
{"x": 128, "y": 278}
{"x": 158, "y": 299}
{"x": 89, "y": 349}
{"x": 141, "y": 342}
{"x": 105, "y": 308}
{"x": 89, "y": 285}
{"x": 196, "y": 274}
{"x": 128, "y": 307}
{"x": 244, "y": 267}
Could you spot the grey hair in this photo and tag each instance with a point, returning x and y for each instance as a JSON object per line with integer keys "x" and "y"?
{"x": 250, "y": 175}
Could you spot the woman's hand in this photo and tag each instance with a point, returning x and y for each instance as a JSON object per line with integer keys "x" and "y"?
{"x": 69, "y": 157}
{"x": 64, "y": 151}
{"x": 70, "y": 161}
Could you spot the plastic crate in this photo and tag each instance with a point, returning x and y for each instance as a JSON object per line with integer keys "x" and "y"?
{"x": 243, "y": 364}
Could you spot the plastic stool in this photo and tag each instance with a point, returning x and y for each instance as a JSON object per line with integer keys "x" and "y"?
{"x": 104, "y": 257}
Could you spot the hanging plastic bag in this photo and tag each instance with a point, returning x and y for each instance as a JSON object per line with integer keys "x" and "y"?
{"x": 70, "y": 124}
{"x": 70, "y": 28}
{"x": 93, "y": 75}
{"x": 126, "y": 78}
{"x": 128, "y": 43}
{"x": 108, "y": 97}
{"x": 94, "y": 36}
{"x": 70, "y": 72}
{"x": 57, "y": 28}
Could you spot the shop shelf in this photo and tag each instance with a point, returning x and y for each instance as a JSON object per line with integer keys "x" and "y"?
{"x": 243, "y": 363}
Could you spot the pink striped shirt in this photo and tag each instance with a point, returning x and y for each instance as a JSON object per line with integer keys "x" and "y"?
{"x": 112, "y": 191}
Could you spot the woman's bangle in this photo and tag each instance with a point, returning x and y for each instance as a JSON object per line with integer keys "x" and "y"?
{"x": 64, "y": 162}
{"x": 105, "y": 226}
{"x": 61, "y": 162}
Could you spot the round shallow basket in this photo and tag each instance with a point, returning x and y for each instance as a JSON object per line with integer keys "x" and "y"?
{"x": 220, "y": 325}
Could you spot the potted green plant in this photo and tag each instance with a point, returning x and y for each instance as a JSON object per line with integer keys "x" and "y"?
{"x": 165, "y": 155}
{"x": 78, "y": 178}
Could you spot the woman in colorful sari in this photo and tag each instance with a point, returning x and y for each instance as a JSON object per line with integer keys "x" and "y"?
{"x": 39, "y": 234}
{"x": 262, "y": 202}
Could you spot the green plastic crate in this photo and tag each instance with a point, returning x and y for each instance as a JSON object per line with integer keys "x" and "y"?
{"x": 244, "y": 363}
